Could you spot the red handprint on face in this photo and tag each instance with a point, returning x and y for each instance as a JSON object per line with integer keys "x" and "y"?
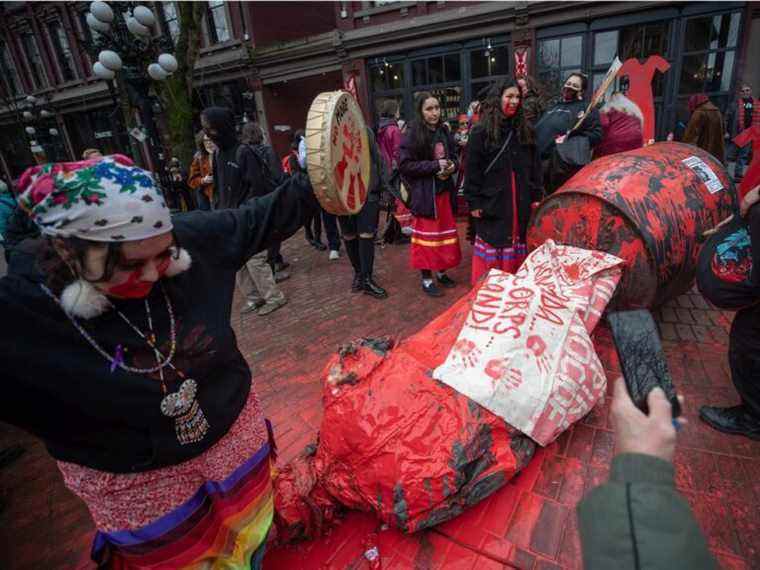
{"x": 467, "y": 352}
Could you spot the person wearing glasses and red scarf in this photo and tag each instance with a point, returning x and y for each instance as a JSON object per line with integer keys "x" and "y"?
{"x": 123, "y": 361}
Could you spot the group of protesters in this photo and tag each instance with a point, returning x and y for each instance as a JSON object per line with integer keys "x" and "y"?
{"x": 121, "y": 315}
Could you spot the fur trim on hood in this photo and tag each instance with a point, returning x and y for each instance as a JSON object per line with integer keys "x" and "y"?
{"x": 622, "y": 104}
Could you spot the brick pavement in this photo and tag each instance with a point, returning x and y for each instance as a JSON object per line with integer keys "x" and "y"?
{"x": 529, "y": 524}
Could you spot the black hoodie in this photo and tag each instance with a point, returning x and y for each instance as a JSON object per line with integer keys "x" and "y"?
{"x": 237, "y": 174}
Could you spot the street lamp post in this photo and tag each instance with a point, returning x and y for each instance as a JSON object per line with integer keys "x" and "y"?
{"x": 35, "y": 114}
{"x": 126, "y": 45}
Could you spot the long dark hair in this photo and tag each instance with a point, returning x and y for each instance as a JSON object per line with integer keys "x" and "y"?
{"x": 422, "y": 135}
{"x": 492, "y": 117}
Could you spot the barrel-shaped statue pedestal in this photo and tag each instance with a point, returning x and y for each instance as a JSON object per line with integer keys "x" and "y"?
{"x": 648, "y": 206}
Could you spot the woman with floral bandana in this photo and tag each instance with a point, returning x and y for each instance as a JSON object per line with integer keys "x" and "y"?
{"x": 127, "y": 368}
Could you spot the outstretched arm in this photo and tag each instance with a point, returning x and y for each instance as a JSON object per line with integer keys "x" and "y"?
{"x": 232, "y": 236}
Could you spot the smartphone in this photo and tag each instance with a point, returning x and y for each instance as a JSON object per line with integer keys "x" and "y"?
{"x": 641, "y": 357}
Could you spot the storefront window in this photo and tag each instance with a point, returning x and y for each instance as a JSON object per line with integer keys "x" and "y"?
{"x": 557, "y": 58}
{"x": 605, "y": 47}
{"x": 438, "y": 69}
{"x": 387, "y": 76}
{"x": 488, "y": 63}
{"x": 710, "y": 69}
{"x": 712, "y": 32}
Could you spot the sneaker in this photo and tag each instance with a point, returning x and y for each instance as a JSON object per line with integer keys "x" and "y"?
{"x": 334, "y": 254}
{"x": 267, "y": 308}
{"x": 369, "y": 287}
{"x": 281, "y": 276}
{"x": 318, "y": 245}
{"x": 251, "y": 306}
{"x": 432, "y": 290}
{"x": 446, "y": 281}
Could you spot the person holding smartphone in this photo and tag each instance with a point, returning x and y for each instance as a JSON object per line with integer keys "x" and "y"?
{"x": 427, "y": 163}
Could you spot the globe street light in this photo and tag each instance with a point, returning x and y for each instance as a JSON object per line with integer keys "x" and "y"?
{"x": 125, "y": 44}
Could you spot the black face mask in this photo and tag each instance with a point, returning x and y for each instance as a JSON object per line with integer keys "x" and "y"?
{"x": 569, "y": 94}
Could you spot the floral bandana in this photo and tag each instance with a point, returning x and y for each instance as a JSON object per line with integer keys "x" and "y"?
{"x": 102, "y": 199}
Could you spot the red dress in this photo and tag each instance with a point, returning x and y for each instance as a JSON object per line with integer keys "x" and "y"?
{"x": 435, "y": 241}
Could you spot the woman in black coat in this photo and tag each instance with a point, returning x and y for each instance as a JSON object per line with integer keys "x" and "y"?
{"x": 503, "y": 179}
{"x": 427, "y": 162}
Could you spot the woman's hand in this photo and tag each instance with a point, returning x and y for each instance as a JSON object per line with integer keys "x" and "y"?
{"x": 442, "y": 165}
{"x": 476, "y": 213}
{"x": 450, "y": 167}
{"x": 559, "y": 139}
{"x": 750, "y": 199}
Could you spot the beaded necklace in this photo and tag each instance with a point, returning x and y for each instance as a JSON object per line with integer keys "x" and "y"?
{"x": 189, "y": 420}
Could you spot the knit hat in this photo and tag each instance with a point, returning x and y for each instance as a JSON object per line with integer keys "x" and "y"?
{"x": 102, "y": 199}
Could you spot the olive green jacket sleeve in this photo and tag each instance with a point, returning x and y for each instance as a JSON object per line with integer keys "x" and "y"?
{"x": 637, "y": 520}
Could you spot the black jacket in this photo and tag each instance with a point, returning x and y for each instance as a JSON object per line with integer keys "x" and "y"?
{"x": 419, "y": 171}
{"x": 492, "y": 192}
{"x": 562, "y": 117}
{"x": 57, "y": 387}
{"x": 237, "y": 173}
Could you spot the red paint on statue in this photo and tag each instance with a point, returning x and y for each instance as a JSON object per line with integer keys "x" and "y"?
{"x": 640, "y": 88}
{"x": 752, "y": 175}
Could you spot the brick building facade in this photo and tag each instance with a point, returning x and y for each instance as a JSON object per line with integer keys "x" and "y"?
{"x": 392, "y": 49}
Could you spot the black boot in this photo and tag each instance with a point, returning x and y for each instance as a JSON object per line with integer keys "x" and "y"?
{"x": 367, "y": 263}
{"x": 446, "y": 281}
{"x": 352, "y": 250}
{"x": 369, "y": 287}
{"x": 734, "y": 420}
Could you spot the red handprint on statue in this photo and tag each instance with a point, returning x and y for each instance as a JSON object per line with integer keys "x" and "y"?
{"x": 467, "y": 352}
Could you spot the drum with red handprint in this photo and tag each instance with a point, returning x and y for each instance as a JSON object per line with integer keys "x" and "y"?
{"x": 337, "y": 152}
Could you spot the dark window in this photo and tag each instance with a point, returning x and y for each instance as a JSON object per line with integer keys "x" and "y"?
{"x": 712, "y": 32}
{"x": 710, "y": 43}
{"x": 435, "y": 70}
{"x": 453, "y": 67}
{"x": 9, "y": 71}
{"x": 387, "y": 76}
{"x": 34, "y": 59}
{"x": 216, "y": 20}
{"x": 419, "y": 72}
{"x": 489, "y": 62}
{"x": 64, "y": 56}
